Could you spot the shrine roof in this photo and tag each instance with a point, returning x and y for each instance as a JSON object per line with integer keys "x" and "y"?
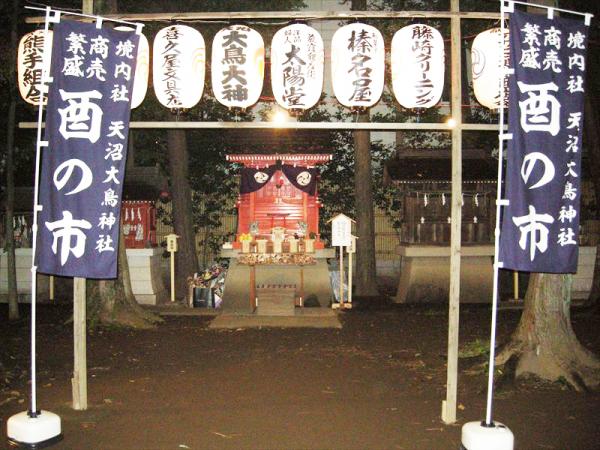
{"x": 308, "y": 159}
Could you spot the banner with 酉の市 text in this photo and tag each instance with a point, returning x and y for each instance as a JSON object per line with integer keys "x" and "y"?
{"x": 82, "y": 172}
{"x": 540, "y": 225}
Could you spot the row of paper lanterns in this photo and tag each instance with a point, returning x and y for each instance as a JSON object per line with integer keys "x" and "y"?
{"x": 297, "y": 56}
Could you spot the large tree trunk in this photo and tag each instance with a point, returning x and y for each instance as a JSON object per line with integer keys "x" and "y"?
{"x": 186, "y": 262}
{"x": 366, "y": 268}
{"x": 113, "y": 302}
{"x": 544, "y": 343}
{"x": 13, "y": 301}
{"x": 366, "y": 271}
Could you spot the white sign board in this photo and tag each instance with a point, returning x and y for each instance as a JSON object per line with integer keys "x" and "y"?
{"x": 341, "y": 231}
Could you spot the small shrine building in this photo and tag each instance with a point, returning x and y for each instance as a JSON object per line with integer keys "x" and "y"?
{"x": 279, "y": 191}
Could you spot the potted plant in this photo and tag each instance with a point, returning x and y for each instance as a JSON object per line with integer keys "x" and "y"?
{"x": 245, "y": 239}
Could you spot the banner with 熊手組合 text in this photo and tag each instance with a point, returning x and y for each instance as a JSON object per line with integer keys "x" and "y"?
{"x": 540, "y": 225}
{"x": 82, "y": 170}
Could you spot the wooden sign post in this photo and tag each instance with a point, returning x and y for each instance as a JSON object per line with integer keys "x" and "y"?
{"x": 341, "y": 236}
{"x": 172, "y": 248}
{"x": 351, "y": 251}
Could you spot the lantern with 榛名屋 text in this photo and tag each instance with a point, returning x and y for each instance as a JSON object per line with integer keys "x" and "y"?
{"x": 357, "y": 65}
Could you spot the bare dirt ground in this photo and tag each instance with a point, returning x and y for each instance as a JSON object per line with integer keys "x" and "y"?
{"x": 378, "y": 383}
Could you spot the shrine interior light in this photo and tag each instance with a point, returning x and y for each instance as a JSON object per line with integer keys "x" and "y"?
{"x": 279, "y": 117}
{"x": 451, "y": 122}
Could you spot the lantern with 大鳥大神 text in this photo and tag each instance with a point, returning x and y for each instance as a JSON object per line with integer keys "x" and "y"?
{"x": 238, "y": 65}
{"x": 178, "y": 66}
{"x": 142, "y": 70}
{"x": 357, "y": 65}
{"x": 297, "y": 66}
{"x": 32, "y": 60}
{"x": 417, "y": 66}
{"x": 489, "y": 57}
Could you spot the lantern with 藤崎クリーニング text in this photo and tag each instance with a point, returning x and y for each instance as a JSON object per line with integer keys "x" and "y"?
{"x": 357, "y": 65}
{"x": 489, "y": 57}
{"x": 142, "y": 70}
{"x": 32, "y": 61}
{"x": 297, "y": 56}
{"x": 178, "y": 66}
{"x": 417, "y": 60}
{"x": 238, "y": 66}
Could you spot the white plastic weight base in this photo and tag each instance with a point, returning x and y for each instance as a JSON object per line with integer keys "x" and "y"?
{"x": 39, "y": 431}
{"x": 479, "y": 436}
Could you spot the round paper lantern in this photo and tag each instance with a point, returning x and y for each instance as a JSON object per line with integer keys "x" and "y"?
{"x": 142, "y": 70}
{"x": 297, "y": 66}
{"x": 238, "y": 66}
{"x": 178, "y": 66}
{"x": 489, "y": 54}
{"x": 31, "y": 61}
{"x": 417, "y": 66}
{"x": 357, "y": 65}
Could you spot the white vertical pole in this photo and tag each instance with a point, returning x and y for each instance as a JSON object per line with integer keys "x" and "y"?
{"x": 499, "y": 202}
{"x": 449, "y": 405}
{"x": 36, "y": 209}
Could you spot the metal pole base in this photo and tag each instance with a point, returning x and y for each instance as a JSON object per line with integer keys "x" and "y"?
{"x": 34, "y": 431}
{"x": 480, "y": 436}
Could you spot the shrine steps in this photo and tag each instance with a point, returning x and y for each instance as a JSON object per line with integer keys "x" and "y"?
{"x": 275, "y": 299}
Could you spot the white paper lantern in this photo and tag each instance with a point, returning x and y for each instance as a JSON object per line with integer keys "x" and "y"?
{"x": 142, "y": 69}
{"x": 31, "y": 61}
{"x": 179, "y": 58}
{"x": 297, "y": 66}
{"x": 418, "y": 66}
{"x": 357, "y": 65}
{"x": 489, "y": 53}
{"x": 238, "y": 66}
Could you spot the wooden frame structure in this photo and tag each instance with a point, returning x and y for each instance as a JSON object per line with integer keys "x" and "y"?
{"x": 455, "y": 16}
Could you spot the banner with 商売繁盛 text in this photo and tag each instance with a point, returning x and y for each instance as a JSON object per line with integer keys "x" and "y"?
{"x": 540, "y": 225}
{"x": 82, "y": 172}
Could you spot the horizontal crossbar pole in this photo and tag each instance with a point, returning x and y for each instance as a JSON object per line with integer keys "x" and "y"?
{"x": 301, "y": 126}
{"x": 290, "y": 15}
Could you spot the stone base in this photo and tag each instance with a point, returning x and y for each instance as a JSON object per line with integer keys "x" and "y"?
{"x": 425, "y": 274}
{"x": 23, "y": 263}
{"x": 145, "y": 274}
{"x": 236, "y": 296}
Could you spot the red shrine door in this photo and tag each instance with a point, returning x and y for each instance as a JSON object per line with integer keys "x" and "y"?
{"x": 278, "y": 204}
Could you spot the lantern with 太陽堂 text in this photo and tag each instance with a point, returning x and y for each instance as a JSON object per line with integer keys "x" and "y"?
{"x": 31, "y": 62}
{"x": 297, "y": 66}
{"x": 489, "y": 56}
{"x": 178, "y": 66}
{"x": 357, "y": 65}
{"x": 238, "y": 66}
{"x": 142, "y": 70}
{"x": 417, "y": 66}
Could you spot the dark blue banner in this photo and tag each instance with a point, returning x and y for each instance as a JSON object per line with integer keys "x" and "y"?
{"x": 540, "y": 226}
{"x": 87, "y": 123}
